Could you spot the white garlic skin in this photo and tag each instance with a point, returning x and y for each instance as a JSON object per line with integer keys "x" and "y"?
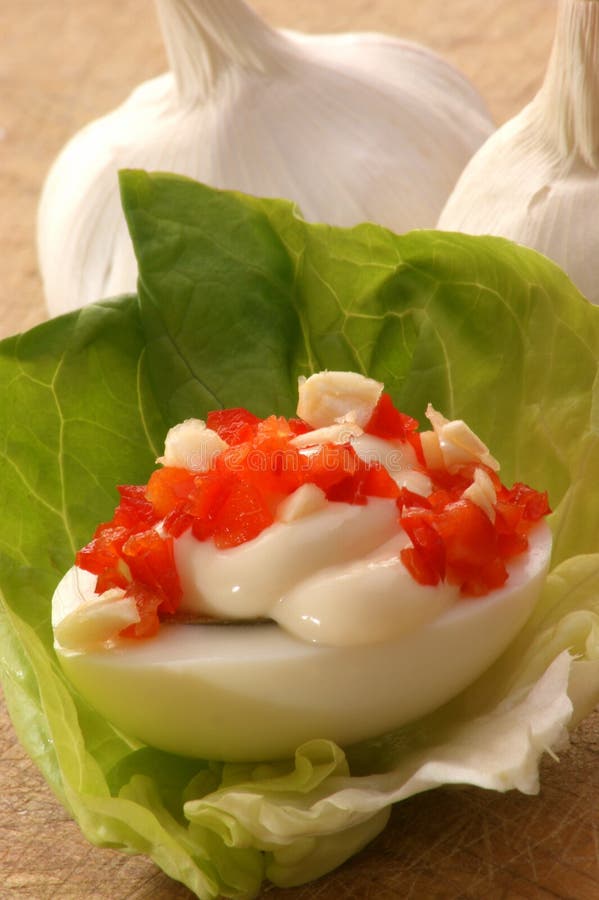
{"x": 516, "y": 188}
{"x": 536, "y": 179}
{"x": 352, "y": 127}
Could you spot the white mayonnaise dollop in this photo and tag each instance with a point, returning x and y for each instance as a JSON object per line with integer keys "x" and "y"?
{"x": 333, "y": 576}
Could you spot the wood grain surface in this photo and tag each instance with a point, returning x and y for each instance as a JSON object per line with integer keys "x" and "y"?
{"x": 63, "y": 64}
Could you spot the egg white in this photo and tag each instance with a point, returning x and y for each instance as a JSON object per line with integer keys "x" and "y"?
{"x": 254, "y": 692}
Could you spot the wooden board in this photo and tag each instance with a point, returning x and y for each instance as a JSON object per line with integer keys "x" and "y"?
{"x": 65, "y": 63}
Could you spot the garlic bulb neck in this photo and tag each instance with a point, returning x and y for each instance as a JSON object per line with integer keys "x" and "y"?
{"x": 568, "y": 101}
{"x": 204, "y": 38}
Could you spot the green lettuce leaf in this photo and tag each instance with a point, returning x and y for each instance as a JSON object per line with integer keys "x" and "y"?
{"x": 237, "y": 297}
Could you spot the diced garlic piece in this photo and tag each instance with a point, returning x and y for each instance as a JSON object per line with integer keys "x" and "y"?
{"x": 341, "y": 433}
{"x": 349, "y": 417}
{"x": 96, "y": 621}
{"x": 307, "y": 499}
{"x": 191, "y": 445}
{"x": 436, "y": 418}
{"x": 326, "y": 397}
{"x": 416, "y": 482}
{"x": 458, "y": 443}
{"x": 482, "y": 492}
{"x": 459, "y": 440}
{"x": 431, "y": 449}
{"x": 397, "y": 457}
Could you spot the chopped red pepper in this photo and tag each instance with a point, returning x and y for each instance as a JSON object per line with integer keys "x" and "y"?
{"x": 452, "y": 538}
{"x": 167, "y": 488}
{"x": 475, "y": 550}
{"x": 233, "y": 425}
{"x": 389, "y": 423}
{"x": 151, "y": 561}
{"x": 147, "y": 604}
{"x": 103, "y": 557}
{"x": 135, "y": 509}
{"x": 243, "y": 515}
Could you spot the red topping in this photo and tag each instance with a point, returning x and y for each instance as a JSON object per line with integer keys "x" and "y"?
{"x": 244, "y": 513}
{"x": 167, "y": 488}
{"x": 452, "y": 538}
{"x": 233, "y": 425}
{"x": 389, "y": 423}
{"x": 151, "y": 562}
{"x": 135, "y": 508}
{"x": 458, "y": 544}
{"x": 147, "y": 604}
{"x": 103, "y": 557}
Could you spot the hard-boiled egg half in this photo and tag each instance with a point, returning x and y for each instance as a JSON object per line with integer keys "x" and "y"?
{"x": 342, "y": 601}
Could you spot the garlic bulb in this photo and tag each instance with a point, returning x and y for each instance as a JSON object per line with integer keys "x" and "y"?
{"x": 351, "y": 127}
{"x": 536, "y": 179}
